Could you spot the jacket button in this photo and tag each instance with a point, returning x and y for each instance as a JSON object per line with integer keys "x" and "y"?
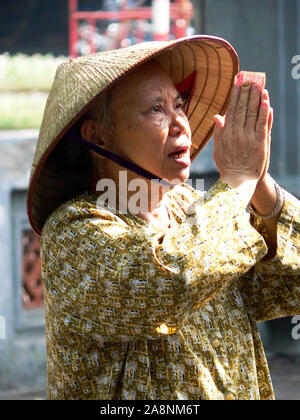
{"x": 216, "y": 342}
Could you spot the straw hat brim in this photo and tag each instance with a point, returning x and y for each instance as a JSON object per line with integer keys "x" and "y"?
{"x": 79, "y": 82}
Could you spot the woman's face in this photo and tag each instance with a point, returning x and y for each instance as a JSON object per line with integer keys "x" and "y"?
{"x": 150, "y": 126}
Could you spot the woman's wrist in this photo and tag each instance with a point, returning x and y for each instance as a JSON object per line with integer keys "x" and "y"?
{"x": 267, "y": 200}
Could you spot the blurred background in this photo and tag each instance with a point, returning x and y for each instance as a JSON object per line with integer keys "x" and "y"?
{"x": 35, "y": 36}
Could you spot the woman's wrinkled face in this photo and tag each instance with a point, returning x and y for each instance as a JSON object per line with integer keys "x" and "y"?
{"x": 150, "y": 126}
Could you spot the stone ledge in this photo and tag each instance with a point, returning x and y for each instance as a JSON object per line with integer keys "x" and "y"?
{"x": 26, "y": 394}
{"x": 6, "y": 135}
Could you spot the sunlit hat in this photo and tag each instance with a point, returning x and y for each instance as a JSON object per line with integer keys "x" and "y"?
{"x": 59, "y": 171}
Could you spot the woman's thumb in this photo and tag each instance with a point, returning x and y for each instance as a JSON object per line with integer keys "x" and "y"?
{"x": 220, "y": 122}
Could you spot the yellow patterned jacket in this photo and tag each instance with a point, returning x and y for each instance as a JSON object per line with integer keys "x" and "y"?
{"x": 136, "y": 312}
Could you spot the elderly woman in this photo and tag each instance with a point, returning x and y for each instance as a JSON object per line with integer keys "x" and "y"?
{"x": 160, "y": 300}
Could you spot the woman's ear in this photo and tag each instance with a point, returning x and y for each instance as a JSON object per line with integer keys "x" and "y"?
{"x": 88, "y": 130}
{"x": 91, "y": 131}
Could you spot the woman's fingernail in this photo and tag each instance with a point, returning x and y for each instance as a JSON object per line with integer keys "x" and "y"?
{"x": 265, "y": 95}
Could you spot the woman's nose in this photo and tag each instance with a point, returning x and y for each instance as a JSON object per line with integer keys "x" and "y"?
{"x": 178, "y": 124}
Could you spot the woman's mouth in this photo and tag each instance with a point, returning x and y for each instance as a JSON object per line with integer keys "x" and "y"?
{"x": 181, "y": 156}
{"x": 177, "y": 155}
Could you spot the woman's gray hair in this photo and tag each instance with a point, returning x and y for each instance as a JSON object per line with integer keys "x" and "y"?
{"x": 101, "y": 113}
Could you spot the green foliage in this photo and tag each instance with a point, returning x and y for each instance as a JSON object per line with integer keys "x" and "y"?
{"x": 27, "y": 73}
{"x": 21, "y": 110}
{"x": 24, "y": 85}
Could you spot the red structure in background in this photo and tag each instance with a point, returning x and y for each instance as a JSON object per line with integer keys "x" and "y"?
{"x": 180, "y": 14}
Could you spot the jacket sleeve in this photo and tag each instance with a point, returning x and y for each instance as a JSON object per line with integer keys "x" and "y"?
{"x": 272, "y": 288}
{"x": 120, "y": 282}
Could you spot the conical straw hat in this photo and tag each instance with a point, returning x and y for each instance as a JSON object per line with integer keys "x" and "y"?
{"x": 57, "y": 177}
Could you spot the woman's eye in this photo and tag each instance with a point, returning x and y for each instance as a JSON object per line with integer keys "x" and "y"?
{"x": 179, "y": 105}
{"x": 156, "y": 108}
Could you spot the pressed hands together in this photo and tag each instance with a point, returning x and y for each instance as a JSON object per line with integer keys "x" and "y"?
{"x": 242, "y": 141}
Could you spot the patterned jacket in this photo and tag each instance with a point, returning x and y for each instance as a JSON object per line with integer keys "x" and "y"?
{"x": 136, "y": 312}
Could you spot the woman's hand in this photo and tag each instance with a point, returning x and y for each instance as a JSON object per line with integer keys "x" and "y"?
{"x": 242, "y": 145}
{"x": 270, "y": 124}
{"x": 242, "y": 138}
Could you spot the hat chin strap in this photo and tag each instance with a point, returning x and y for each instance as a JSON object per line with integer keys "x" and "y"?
{"x": 121, "y": 161}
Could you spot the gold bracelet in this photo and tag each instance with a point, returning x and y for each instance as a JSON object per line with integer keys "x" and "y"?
{"x": 278, "y": 204}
